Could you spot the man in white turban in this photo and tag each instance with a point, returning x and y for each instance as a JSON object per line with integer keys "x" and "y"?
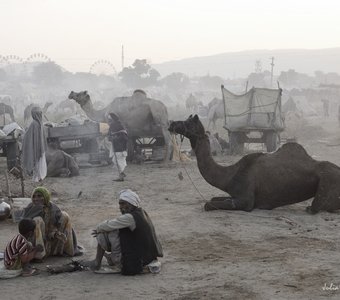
{"x": 130, "y": 197}
{"x": 129, "y": 242}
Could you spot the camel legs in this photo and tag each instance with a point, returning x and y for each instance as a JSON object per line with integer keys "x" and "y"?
{"x": 327, "y": 197}
{"x": 227, "y": 203}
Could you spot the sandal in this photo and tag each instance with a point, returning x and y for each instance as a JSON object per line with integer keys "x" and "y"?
{"x": 107, "y": 270}
{"x": 30, "y": 272}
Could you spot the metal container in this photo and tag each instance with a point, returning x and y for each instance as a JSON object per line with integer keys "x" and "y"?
{"x": 5, "y": 210}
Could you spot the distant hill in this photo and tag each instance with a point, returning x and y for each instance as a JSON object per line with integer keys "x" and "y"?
{"x": 240, "y": 64}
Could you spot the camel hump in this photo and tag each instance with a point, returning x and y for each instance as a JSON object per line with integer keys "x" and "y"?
{"x": 293, "y": 148}
{"x": 139, "y": 93}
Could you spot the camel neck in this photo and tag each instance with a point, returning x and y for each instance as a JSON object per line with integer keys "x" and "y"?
{"x": 95, "y": 115}
{"x": 213, "y": 173}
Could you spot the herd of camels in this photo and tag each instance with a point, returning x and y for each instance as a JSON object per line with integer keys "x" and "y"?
{"x": 256, "y": 181}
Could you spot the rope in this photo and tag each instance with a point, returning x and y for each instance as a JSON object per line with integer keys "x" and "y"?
{"x": 250, "y": 109}
{"x": 186, "y": 171}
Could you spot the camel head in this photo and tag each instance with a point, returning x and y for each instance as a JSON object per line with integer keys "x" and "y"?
{"x": 81, "y": 98}
{"x": 190, "y": 128}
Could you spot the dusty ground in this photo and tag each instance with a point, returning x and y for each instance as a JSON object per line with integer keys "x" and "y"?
{"x": 279, "y": 254}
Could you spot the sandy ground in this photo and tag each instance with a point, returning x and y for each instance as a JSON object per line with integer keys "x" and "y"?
{"x": 280, "y": 254}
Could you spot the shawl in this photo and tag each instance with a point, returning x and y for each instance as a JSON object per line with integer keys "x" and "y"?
{"x": 115, "y": 124}
{"x": 50, "y": 212}
{"x": 34, "y": 142}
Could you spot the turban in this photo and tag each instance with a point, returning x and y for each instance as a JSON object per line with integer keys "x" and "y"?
{"x": 46, "y": 194}
{"x": 129, "y": 196}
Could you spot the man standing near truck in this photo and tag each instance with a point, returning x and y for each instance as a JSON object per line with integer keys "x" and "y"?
{"x": 119, "y": 139}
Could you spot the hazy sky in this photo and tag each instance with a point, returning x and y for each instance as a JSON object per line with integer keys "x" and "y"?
{"x": 76, "y": 33}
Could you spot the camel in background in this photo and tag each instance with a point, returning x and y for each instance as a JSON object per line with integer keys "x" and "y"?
{"x": 6, "y": 109}
{"x": 27, "y": 111}
{"x": 142, "y": 116}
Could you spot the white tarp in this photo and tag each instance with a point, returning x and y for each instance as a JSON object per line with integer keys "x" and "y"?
{"x": 259, "y": 108}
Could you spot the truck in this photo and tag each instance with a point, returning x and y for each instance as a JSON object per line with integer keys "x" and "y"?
{"x": 82, "y": 138}
{"x": 253, "y": 117}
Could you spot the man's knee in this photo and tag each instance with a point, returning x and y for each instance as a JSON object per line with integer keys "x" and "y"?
{"x": 38, "y": 221}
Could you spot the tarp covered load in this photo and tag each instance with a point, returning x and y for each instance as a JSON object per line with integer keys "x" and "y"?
{"x": 259, "y": 108}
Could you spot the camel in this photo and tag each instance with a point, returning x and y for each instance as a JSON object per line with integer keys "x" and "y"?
{"x": 7, "y": 109}
{"x": 216, "y": 111}
{"x": 59, "y": 163}
{"x": 264, "y": 180}
{"x": 191, "y": 103}
{"x": 143, "y": 117}
{"x": 65, "y": 106}
{"x": 27, "y": 111}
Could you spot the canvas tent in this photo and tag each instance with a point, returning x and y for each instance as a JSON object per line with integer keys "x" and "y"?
{"x": 259, "y": 108}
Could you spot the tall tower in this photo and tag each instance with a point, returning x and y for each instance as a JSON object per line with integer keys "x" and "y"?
{"x": 122, "y": 57}
{"x": 272, "y": 70}
{"x": 258, "y": 66}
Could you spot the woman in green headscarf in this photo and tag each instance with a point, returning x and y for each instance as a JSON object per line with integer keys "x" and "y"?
{"x": 53, "y": 227}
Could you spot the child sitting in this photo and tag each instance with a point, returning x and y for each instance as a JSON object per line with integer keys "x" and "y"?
{"x": 19, "y": 251}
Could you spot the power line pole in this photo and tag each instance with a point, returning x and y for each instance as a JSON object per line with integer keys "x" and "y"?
{"x": 258, "y": 66}
{"x": 272, "y": 71}
{"x": 122, "y": 57}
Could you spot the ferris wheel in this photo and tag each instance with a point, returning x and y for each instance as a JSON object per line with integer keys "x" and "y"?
{"x": 33, "y": 60}
{"x": 38, "y": 57}
{"x": 10, "y": 60}
{"x": 14, "y": 59}
{"x": 103, "y": 67}
{"x": 12, "y": 63}
{"x": 3, "y": 61}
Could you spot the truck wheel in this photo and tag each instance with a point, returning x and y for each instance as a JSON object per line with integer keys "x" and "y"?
{"x": 90, "y": 145}
{"x": 272, "y": 141}
{"x": 236, "y": 143}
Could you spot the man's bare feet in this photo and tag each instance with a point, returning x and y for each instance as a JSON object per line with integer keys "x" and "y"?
{"x": 92, "y": 264}
{"x": 109, "y": 259}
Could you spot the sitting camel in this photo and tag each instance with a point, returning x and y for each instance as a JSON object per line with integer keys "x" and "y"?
{"x": 59, "y": 163}
{"x": 264, "y": 180}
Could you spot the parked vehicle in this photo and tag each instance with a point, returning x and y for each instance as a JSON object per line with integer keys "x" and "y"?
{"x": 253, "y": 117}
{"x": 82, "y": 138}
{"x": 9, "y": 148}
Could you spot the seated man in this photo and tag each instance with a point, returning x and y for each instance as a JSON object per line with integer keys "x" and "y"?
{"x": 19, "y": 251}
{"x": 130, "y": 238}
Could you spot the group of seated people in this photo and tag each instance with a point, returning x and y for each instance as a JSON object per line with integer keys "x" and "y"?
{"x": 128, "y": 242}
